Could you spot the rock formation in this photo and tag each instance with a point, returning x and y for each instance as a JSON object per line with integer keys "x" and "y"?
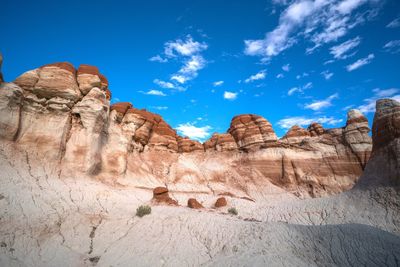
{"x": 194, "y": 204}
{"x": 221, "y": 202}
{"x": 161, "y": 196}
{"x": 1, "y": 74}
{"x": 63, "y": 115}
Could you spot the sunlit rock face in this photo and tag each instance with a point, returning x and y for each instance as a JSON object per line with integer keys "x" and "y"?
{"x": 63, "y": 115}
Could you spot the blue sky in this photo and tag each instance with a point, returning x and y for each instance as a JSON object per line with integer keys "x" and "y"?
{"x": 199, "y": 63}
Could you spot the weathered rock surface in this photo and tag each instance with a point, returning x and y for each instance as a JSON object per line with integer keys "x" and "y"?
{"x": 1, "y": 74}
{"x": 85, "y": 216}
{"x": 64, "y": 116}
{"x": 251, "y": 131}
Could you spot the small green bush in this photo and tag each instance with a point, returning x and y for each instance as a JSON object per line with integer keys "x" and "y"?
{"x": 143, "y": 210}
{"x": 233, "y": 211}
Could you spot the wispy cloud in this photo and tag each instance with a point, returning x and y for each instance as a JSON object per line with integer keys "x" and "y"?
{"x": 188, "y": 52}
{"x": 194, "y": 132}
{"x": 230, "y": 95}
{"x": 187, "y": 47}
{"x": 218, "y": 83}
{"x": 321, "y": 104}
{"x": 305, "y": 121}
{"x": 369, "y": 103}
{"x": 154, "y": 92}
{"x": 280, "y": 76}
{"x": 341, "y": 51}
{"x": 361, "y": 62}
{"x": 258, "y": 76}
{"x": 300, "y": 89}
{"x": 319, "y": 21}
{"x": 392, "y": 46}
{"x": 327, "y": 74}
{"x": 286, "y": 67}
{"x": 394, "y": 23}
{"x": 159, "y": 107}
{"x": 158, "y": 58}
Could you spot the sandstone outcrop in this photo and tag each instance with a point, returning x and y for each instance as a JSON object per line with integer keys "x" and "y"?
{"x": 383, "y": 168}
{"x": 221, "y": 202}
{"x": 194, "y": 204}
{"x": 64, "y": 116}
{"x": 251, "y": 131}
{"x": 296, "y": 134}
{"x": 161, "y": 196}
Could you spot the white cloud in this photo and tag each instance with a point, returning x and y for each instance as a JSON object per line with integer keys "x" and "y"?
{"x": 293, "y": 90}
{"x": 159, "y": 107}
{"x": 154, "y": 92}
{"x": 394, "y": 23}
{"x": 218, "y": 83}
{"x": 286, "y": 67}
{"x": 164, "y": 84}
{"x": 304, "y": 121}
{"x": 392, "y": 46}
{"x": 181, "y": 47}
{"x": 319, "y": 21}
{"x": 230, "y": 95}
{"x": 190, "y": 69}
{"x": 194, "y": 132}
{"x": 327, "y": 74}
{"x": 158, "y": 58}
{"x": 280, "y": 76}
{"x": 341, "y": 51}
{"x": 300, "y": 89}
{"x": 361, "y": 62}
{"x": 258, "y": 76}
{"x": 369, "y": 103}
{"x": 321, "y": 104}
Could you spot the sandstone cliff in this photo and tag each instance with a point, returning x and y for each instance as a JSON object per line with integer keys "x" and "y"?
{"x": 63, "y": 116}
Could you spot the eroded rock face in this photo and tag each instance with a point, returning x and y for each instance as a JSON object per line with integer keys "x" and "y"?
{"x": 64, "y": 116}
{"x": 10, "y": 108}
{"x": 251, "y": 131}
{"x": 296, "y": 134}
{"x": 383, "y": 169}
{"x": 356, "y": 135}
{"x": 221, "y": 142}
{"x": 1, "y": 74}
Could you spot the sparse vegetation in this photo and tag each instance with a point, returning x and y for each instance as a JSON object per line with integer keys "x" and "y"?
{"x": 233, "y": 211}
{"x": 143, "y": 210}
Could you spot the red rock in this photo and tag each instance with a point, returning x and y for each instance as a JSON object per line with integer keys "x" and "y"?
{"x": 221, "y": 142}
{"x": 386, "y": 125}
{"x": 121, "y": 107}
{"x": 88, "y": 69}
{"x": 194, "y": 204}
{"x": 160, "y": 195}
{"x": 296, "y": 134}
{"x": 251, "y": 131}
{"x": 315, "y": 129}
{"x": 221, "y": 202}
{"x": 62, "y": 65}
{"x": 186, "y": 145}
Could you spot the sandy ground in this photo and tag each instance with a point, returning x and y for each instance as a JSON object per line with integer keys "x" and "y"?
{"x": 48, "y": 221}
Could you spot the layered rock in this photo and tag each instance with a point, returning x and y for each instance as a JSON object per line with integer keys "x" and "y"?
{"x": 296, "y": 134}
{"x": 221, "y": 142}
{"x": 383, "y": 169}
{"x": 64, "y": 116}
{"x": 251, "y": 131}
{"x": 315, "y": 129}
{"x": 356, "y": 135}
